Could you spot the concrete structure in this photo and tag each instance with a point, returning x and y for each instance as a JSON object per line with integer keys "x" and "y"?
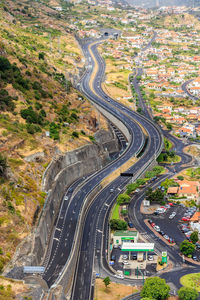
{"x": 140, "y": 247}
{"x": 120, "y": 237}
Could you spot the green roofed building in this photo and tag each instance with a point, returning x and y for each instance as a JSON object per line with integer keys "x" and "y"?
{"x": 125, "y": 236}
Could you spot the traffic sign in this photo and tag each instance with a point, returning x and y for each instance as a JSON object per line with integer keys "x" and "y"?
{"x": 126, "y": 174}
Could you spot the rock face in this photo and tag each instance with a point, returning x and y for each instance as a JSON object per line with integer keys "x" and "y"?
{"x": 60, "y": 174}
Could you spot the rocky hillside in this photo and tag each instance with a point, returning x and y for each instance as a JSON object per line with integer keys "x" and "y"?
{"x": 41, "y": 114}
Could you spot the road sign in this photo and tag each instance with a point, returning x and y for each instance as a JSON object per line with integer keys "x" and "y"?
{"x": 126, "y": 174}
{"x": 34, "y": 269}
{"x": 164, "y": 256}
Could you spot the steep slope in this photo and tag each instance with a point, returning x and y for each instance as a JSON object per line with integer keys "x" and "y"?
{"x": 41, "y": 115}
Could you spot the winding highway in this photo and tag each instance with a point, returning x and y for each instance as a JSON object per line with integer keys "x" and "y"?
{"x": 65, "y": 227}
{"x": 91, "y": 247}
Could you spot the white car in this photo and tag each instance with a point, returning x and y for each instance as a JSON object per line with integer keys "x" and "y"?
{"x": 150, "y": 257}
{"x": 157, "y": 228}
{"x": 66, "y": 198}
{"x": 120, "y": 276}
{"x": 125, "y": 262}
{"x": 124, "y": 256}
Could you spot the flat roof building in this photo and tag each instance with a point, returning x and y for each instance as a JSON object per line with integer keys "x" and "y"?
{"x": 119, "y": 237}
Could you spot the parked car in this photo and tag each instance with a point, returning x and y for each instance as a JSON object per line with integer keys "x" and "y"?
{"x": 185, "y": 219}
{"x": 194, "y": 257}
{"x": 157, "y": 228}
{"x": 197, "y": 246}
{"x": 134, "y": 257}
{"x": 113, "y": 257}
{"x": 125, "y": 256}
{"x": 153, "y": 224}
{"x": 167, "y": 206}
{"x": 166, "y": 236}
{"x": 162, "y": 233}
{"x": 171, "y": 241}
{"x": 150, "y": 221}
{"x": 125, "y": 262}
{"x": 150, "y": 257}
{"x": 66, "y": 198}
{"x": 130, "y": 224}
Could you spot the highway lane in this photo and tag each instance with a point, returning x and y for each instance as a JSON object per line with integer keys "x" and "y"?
{"x": 84, "y": 277}
{"x": 64, "y": 237}
{"x": 101, "y": 263}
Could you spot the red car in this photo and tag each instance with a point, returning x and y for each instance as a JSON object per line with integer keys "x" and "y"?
{"x": 185, "y": 219}
{"x": 153, "y": 224}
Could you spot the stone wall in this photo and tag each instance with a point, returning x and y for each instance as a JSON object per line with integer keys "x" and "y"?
{"x": 60, "y": 174}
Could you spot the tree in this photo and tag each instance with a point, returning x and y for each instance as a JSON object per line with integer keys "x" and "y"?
{"x": 186, "y": 293}
{"x": 194, "y": 237}
{"x": 131, "y": 188}
{"x": 155, "y": 288}
{"x": 41, "y": 55}
{"x": 117, "y": 224}
{"x": 106, "y": 281}
{"x": 3, "y": 165}
{"x": 123, "y": 198}
{"x": 187, "y": 248}
{"x": 180, "y": 177}
{"x": 4, "y": 64}
{"x": 156, "y": 196}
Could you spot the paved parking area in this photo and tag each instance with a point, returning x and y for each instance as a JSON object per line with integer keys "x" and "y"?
{"x": 171, "y": 226}
{"x": 150, "y": 266}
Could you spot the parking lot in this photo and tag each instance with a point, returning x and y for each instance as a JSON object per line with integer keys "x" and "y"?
{"x": 171, "y": 226}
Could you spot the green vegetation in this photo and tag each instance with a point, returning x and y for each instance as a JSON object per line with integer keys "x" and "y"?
{"x": 194, "y": 237}
{"x": 191, "y": 281}
{"x": 187, "y": 293}
{"x": 193, "y": 173}
{"x": 115, "y": 212}
{"x": 3, "y": 165}
{"x": 169, "y": 183}
{"x": 168, "y": 144}
{"x": 155, "y": 196}
{"x": 168, "y": 157}
{"x": 6, "y": 101}
{"x": 116, "y": 224}
{"x": 6, "y": 292}
{"x": 106, "y": 281}
{"x": 187, "y": 248}
{"x": 123, "y": 199}
{"x": 155, "y": 288}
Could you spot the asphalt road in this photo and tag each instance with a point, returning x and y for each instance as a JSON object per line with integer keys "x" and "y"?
{"x": 63, "y": 235}
{"x": 184, "y": 88}
{"x": 97, "y": 217}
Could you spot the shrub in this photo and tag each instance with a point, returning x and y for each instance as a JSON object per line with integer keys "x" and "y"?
{"x": 41, "y": 55}
{"x": 186, "y": 293}
{"x": 75, "y": 134}
{"x": 4, "y": 64}
{"x": 6, "y": 101}
{"x": 116, "y": 224}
